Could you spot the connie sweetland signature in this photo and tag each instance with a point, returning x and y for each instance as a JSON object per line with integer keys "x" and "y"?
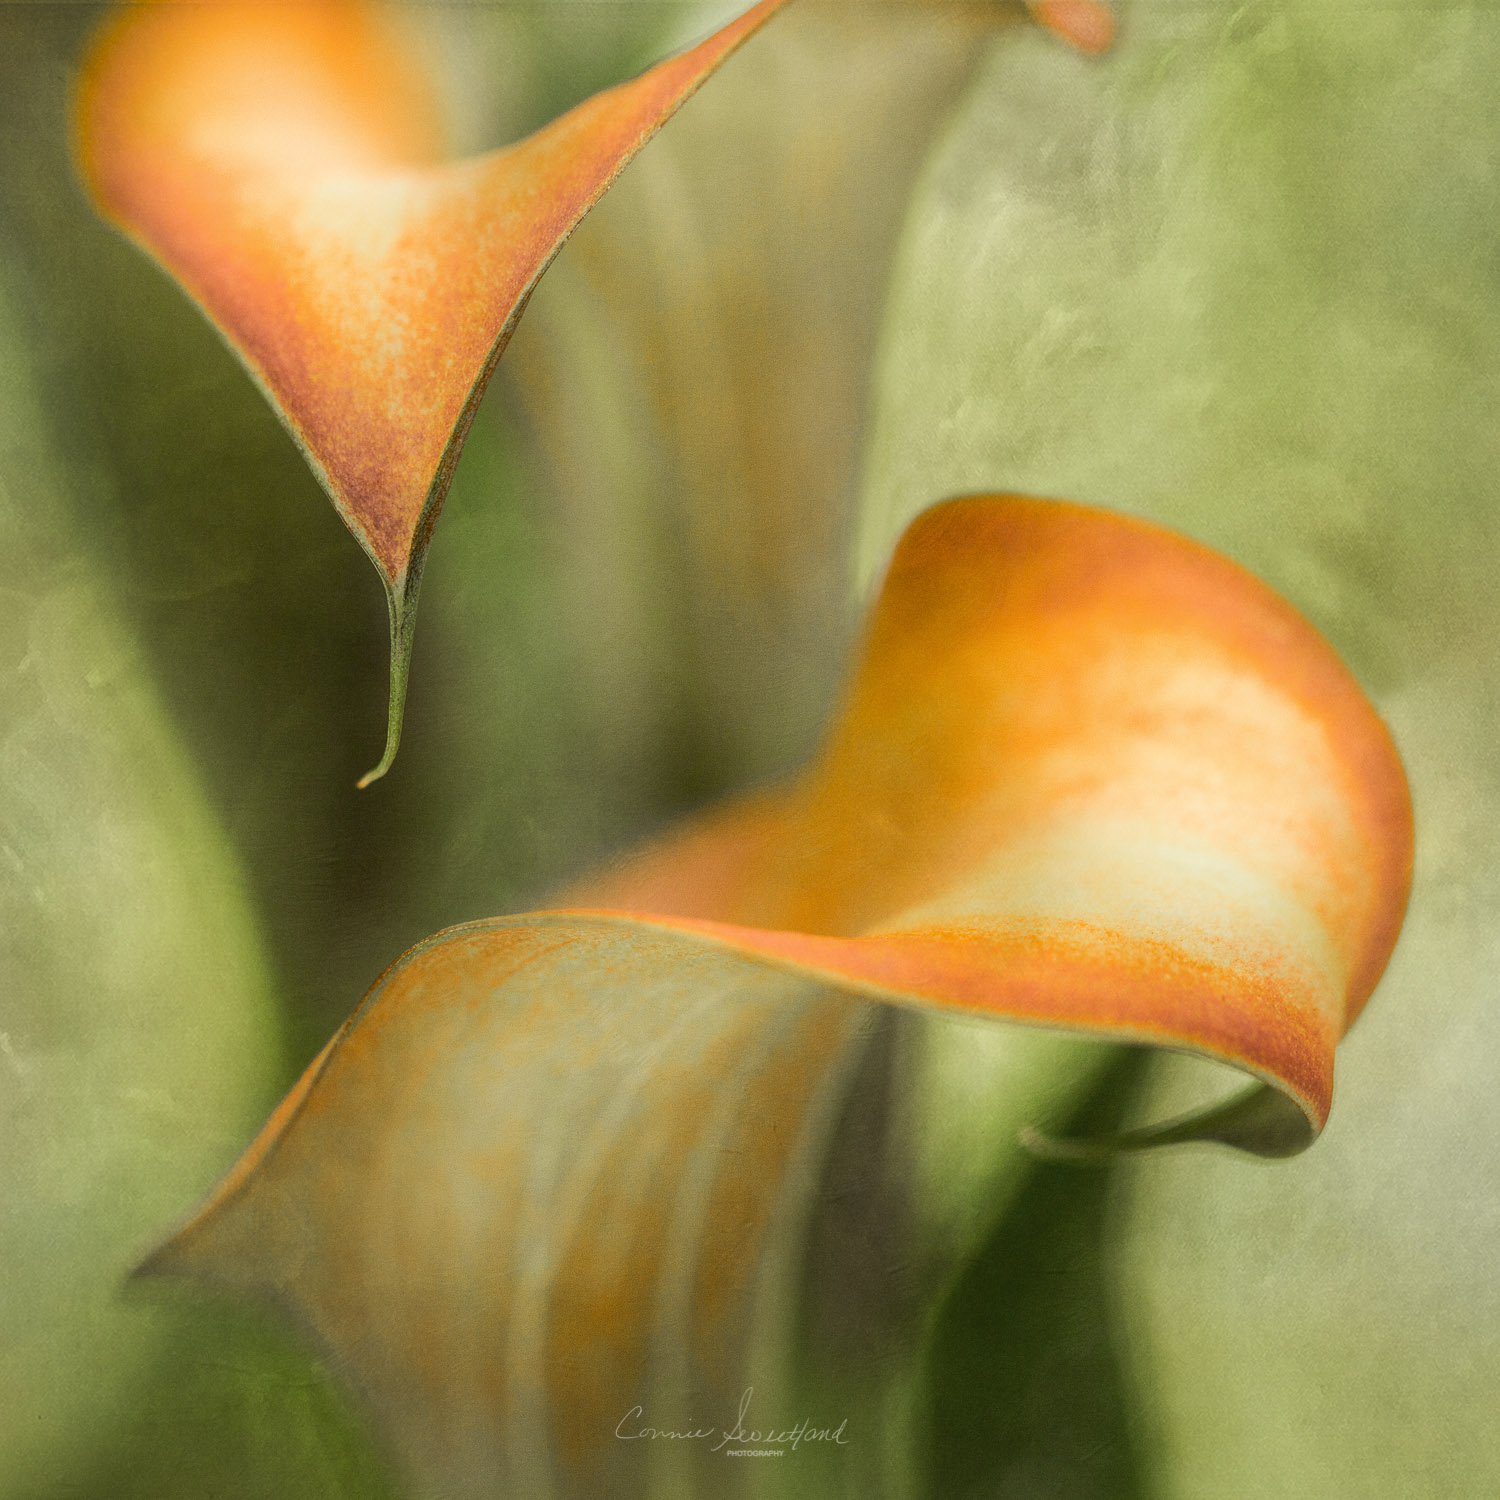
{"x": 630, "y": 1430}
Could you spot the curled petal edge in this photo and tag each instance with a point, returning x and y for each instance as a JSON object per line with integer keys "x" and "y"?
{"x": 1079, "y": 652}
{"x": 1088, "y": 776}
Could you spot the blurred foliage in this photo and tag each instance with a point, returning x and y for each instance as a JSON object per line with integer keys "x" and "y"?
{"x": 230, "y": 1408}
{"x": 1050, "y": 1420}
{"x": 694, "y": 367}
{"x": 139, "y": 1037}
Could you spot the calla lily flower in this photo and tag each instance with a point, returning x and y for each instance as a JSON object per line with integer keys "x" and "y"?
{"x": 285, "y": 164}
{"x": 1088, "y": 775}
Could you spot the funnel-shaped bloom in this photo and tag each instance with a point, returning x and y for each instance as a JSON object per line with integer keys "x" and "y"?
{"x": 284, "y": 163}
{"x": 1088, "y": 775}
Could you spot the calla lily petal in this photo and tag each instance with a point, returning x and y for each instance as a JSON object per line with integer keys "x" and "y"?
{"x": 1088, "y": 775}
{"x": 284, "y": 164}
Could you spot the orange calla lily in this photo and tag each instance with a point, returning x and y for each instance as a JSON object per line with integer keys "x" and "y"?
{"x": 1088, "y": 775}
{"x": 284, "y": 163}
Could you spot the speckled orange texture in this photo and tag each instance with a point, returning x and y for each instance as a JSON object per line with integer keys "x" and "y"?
{"x": 1034, "y": 673}
{"x": 1049, "y": 685}
{"x": 1087, "y": 775}
{"x": 283, "y": 162}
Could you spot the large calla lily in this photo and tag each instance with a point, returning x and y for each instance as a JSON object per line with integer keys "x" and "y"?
{"x": 285, "y": 164}
{"x": 1087, "y": 775}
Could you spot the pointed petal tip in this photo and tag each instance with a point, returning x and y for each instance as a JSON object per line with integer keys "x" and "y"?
{"x": 392, "y": 744}
{"x": 376, "y": 773}
{"x": 161, "y": 1262}
{"x": 401, "y": 606}
{"x": 172, "y": 1259}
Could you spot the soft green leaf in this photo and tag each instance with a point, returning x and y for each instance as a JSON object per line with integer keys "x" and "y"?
{"x": 1024, "y": 1399}
{"x": 231, "y": 1407}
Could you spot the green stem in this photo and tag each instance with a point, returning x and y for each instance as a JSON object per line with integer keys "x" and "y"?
{"x": 401, "y": 605}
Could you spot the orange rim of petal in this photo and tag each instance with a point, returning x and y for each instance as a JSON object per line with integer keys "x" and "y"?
{"x": 284, "y": 163}
{"x": 1088, "y": 775}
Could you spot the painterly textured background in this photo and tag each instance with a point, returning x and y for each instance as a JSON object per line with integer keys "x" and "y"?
{"x": 1240, "y": 276}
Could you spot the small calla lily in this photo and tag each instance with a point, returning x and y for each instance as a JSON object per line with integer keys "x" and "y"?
{"x": 1088, "y": 775}
{"x": 285, "y": 164}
